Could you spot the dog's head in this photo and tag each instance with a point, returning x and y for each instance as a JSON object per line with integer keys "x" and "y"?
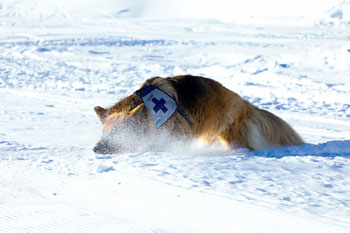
{"x": 125, "y": 125}
{"x": 144, "y": 120}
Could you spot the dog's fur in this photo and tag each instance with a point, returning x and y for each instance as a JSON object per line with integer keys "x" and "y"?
{"x": 215, "y": 113}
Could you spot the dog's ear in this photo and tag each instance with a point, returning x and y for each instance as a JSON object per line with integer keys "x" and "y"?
{"x": 138, "y": 111}
{"x": 101, "y": 113}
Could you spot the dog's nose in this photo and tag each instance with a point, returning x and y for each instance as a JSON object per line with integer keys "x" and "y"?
{"x": 102, "y": 148}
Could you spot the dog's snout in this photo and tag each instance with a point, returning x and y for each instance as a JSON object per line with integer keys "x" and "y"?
{"x": 103, "y": 148}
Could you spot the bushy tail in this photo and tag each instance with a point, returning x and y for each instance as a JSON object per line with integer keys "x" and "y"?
{"x": 276, "y": 131}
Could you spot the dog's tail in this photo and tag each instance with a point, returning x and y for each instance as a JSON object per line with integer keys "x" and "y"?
{"x": 276, "y": 131}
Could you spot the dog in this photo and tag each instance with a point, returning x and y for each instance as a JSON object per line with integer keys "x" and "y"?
{"x": 186, "y": 108}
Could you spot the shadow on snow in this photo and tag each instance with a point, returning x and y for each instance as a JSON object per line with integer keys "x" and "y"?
{"x": 327, "y": 149}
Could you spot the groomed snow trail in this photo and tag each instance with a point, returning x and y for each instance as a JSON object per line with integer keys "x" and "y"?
{"x": 122, "y": 201}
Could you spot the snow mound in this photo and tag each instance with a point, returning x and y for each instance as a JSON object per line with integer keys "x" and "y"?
{"x": 339, "y": 14}
{"x": 328, "y": 149}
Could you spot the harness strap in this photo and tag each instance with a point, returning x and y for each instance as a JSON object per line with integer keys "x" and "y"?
{"x": 184, "y": 115}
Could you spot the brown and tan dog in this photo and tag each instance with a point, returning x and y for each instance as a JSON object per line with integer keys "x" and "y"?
{"x": 202, "y": 108}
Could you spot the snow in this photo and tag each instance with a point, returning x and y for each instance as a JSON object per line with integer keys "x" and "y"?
{"x": 59, "y": 59}
{"x": 339, "y": 14}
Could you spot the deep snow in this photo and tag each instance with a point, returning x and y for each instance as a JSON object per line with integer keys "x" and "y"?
{"x": 57, "y": 64}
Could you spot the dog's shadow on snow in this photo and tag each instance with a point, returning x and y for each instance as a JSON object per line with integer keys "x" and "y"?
{"x": 327, "y": 149}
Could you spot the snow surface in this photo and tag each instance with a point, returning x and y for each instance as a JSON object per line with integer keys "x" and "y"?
{"x": 59, "y": 60}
